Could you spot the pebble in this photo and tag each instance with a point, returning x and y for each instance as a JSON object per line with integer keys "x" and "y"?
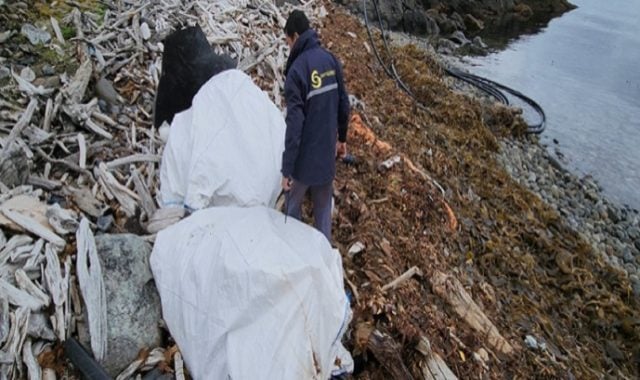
{"x": 355, "y": 249}
{"x": 104, "y": 222}
{"x": 531, "y": 342}
{"x": 106, "y": 92}
{"x": 613, "y": 214}
{"x": 628, "y": 256}
{"x": 478, "y": 42}
{"x": 630, "y": 268}
{"x": 28, "y": 74}
{"x": 4, "y": 36}
{"x": 48, "y": 70}
{"x": 48, "y": 82}
{"x": 145, "y": 31}
{"x": 35, "y": 35}
{"x": 4, "y": 72}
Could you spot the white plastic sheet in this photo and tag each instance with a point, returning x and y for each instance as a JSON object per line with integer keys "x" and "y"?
{"x": 226, "y": 149}
{"x": 248, "y": 296}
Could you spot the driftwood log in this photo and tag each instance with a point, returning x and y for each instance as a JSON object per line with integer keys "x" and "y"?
{"x": 452, "y": 291}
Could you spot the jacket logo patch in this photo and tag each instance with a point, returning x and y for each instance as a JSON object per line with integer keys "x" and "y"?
{"x": 316, "y": 80}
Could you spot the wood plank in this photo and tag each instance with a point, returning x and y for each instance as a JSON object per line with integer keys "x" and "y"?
{"x": 452, "y": 291}
{"x": 434, "y": 367}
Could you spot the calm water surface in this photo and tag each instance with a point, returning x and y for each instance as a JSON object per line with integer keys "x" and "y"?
{"x": 584, "y": 70}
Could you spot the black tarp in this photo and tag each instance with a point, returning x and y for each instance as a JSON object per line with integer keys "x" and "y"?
{"x": 188, "y": 62}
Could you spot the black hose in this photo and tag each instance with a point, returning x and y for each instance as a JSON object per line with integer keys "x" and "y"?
{"x": 391, "y": 70}
{"x": 82, "y": 360}
{"x": 496, "y": 89}
{"x": 496, "y": 93}
{"x": 488, "y": 86}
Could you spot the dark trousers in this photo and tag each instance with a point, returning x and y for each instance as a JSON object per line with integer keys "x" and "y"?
{"x": 321, "y": 199}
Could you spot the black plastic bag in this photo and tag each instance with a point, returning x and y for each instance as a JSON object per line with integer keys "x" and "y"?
{"x": 188, "y": 62}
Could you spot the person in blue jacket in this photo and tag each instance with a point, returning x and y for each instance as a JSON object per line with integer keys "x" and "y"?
{"x": 317, "y": 120}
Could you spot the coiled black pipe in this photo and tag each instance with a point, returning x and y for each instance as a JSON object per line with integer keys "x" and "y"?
{"x": 488, "y": 86}
{"x": 496, "y": 89}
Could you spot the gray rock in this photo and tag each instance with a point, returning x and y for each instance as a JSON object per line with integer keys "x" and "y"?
{"x": 106, "y": 91}
{"x": 445, "y": 45}
{"x": 636, "y": 289}
{"x": 4, "y": 36}
{"x": 48, "y": 82}
{"x": 613, "y": 214}
{"x": 419, "y": 23}
{"x": 630, "y": 268}
{"x": 477, "y": 41}
{"x": 431, "y": 26}
{"x": 472, "y": 23}
{"x": 145, "y": 31}
{"x": 531, "y": 342}
{"x": 5, "y": 72}
{"x": 104, "y": 222}
{"x": 35, "y": 35}
{"x": 447, "y": 26}
{"x": 612, "y": 251}
{"x": 637, "y": 244}
{"x": 621, "y": 233}
{"x": 48, "y": 70}
{"x": 133, "y": 303}
{"x": 460, "y": 38}
{"x": 458, "y": 21}
{"x": 634, "y": 233}
{"x": 628, "y": 256}
{"x": 27, "y": 74}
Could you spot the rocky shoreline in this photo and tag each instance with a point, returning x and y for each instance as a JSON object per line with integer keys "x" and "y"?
{"x": 612, "y": 230}
{"x": 449, "y": 23}
{"x": 501, "y": 247}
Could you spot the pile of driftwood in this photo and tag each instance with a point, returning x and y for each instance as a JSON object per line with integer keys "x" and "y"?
{"x": 83, "y": 157}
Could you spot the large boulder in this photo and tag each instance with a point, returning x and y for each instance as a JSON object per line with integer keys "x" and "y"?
{"x": 417, "y": 22}
{"x": 472, "y": 23}
{"x": 133, "y": 303}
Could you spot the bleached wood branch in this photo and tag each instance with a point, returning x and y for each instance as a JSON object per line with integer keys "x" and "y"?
{"x": 92, "y": 288}
{"x": 34, "y": 227}
{"x": 134, "y": 158}
{"x": 402, "y": 278}
{"x": 24, "y": 120}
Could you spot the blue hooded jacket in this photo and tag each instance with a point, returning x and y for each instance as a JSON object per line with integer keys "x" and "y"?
{"x": 317, "y": 112}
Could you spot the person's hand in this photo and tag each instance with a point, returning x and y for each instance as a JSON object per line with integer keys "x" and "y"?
{"x": 286, "y": 183}
{"x": 341, "y": 149}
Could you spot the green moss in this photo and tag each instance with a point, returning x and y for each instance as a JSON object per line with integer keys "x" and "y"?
{"x": 49, "y": 56}
{"x": 68, "y": 31}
